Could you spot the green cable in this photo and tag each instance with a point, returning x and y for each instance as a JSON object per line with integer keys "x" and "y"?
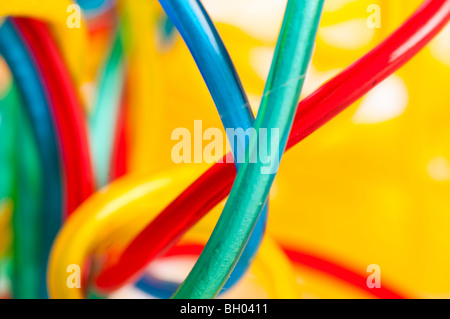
{"x": 7, "y": 164}
{"x": 6, "y": 266}
{"x": 27, "y": 215}
{"x": 21, "y": 171}
{"x": 254, "y": 179}
{"x": 104, "y": 119}
{"x": 8, "y": 103}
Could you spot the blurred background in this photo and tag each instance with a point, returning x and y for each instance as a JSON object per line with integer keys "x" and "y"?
{"x": 372, "y": 186}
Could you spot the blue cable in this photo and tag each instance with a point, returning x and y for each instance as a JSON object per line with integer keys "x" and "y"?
{"x": 28, "y": 216}
{"x": 19, "y": 59}
{"x": 217, "y": 69}
{"x": 93, "y": 8}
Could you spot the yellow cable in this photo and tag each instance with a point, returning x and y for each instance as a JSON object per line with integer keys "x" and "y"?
{"x": 5, "y": 224}
{"x": 135, "y": 201}
{"x": 106, "y": 212}
{"x": 144, "y": 87}
{"x": 272, "y": 264}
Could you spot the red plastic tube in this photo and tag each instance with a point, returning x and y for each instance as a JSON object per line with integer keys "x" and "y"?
{"x": 66, "y": 109}
{"x": 119, "y": 156}
{"x": 313, "y": 112}
{"x": 358, "y": 280}
{"x": 305, "y": 259}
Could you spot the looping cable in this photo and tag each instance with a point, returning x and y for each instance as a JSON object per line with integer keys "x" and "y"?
{"x": 314, "y": 111}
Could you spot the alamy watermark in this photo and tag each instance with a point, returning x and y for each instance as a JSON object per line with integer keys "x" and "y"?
{"x": 263, "y": 146}
{"x": 374, "y": 20}
{"x": 374, "y": 279}
{"x": 74, "y": 279}
{"x": 74, "y": 19}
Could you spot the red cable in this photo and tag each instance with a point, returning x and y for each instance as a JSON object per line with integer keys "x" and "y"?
{"x": 66, "y": 109}
{"x": 314, "y": 111}
{"x": 340, "y": 272}
{"x": 120, "y": 150}
{"x": 317, "y": 263}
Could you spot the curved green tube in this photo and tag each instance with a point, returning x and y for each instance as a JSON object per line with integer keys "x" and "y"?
{"x": 254, "y": 179}
{"x": 104, "y": 119}
{"x": 7, "y": 167}
{"x": 21, "y": 179}
{"x": 8, "y": 106}
{"x": 27, "y": 215}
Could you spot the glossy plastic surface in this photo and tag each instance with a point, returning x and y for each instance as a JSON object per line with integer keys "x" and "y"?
{"x": 314, "y": 111}
{"x": 275, "y": 115}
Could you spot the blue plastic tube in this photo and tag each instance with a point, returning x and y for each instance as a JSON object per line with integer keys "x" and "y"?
{"x": 36, "y": 104}
{"x": 254, "y": 180}
{"x": 27, "y": 217}
{"x": 92, "y": 8}
{"x": 8, "y": 121}
{"x": 217, "y": 69}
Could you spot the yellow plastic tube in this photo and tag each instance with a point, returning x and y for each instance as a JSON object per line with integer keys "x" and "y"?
{"x": 144, "y": 88}
{"x": 6, "y": 206}
{"x": 134, "y": 201}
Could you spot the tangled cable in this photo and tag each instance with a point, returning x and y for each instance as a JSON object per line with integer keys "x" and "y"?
{"x": 97, "y": 193}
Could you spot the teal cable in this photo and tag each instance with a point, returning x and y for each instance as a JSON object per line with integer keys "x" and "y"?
{"x": 27, "y": 214}
{"x": 104, "y": 119}
{"x": 7, "y": 149}
{"x": 7, "y": 178}
{"x": 21, "y": 179}
{"x": 6, "y": 266}
{"x": 214, "y": 63}
{"x": 254, "y": 180}
{"x": 36, "y": 106}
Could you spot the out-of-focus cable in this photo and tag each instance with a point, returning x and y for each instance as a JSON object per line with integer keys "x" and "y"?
{"x": 8, "y": 123}
{"x": 103, "y": 121}
{"x": 73, "y": 40}
{"x": 67, "y": 111}
{"x": 28, "y": 217}
{"x": 314, "y": 111}
{"x": 37, "y": 107}
{"x": 69, "y": 118}
{"x": 143, "y": 86}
